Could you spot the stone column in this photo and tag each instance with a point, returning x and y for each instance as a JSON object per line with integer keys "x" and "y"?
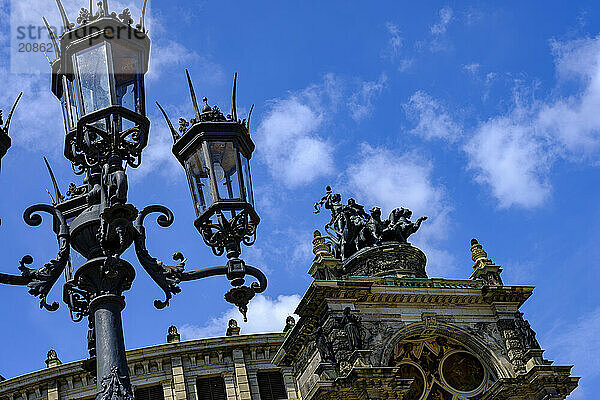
{"x": 241, "y": 375}
{"x": 178, "y": 379}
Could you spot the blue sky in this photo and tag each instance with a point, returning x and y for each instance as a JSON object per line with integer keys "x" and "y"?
{"x": 482, "y": 115}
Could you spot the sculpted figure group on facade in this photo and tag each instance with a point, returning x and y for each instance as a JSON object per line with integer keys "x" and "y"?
{"x": 351, "y": 229}
{"x": 350, "y": 324}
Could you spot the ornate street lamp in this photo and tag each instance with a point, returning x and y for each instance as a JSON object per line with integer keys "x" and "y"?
{"x": 215, "y": 152}
{"x": 99, "y": 77}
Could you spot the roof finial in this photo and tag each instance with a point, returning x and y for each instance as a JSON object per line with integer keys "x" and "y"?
{"x": 171, "y": 128}
{"x": 206, "y": 107}
{"x": 173, "y": 336}
{"x": 105, "y": 7}
{"x": 193, "y": 95}
{"x": 63, "y": 15}
{"x": 320, "y": 246}
{"x": 233, "y": 99}
{"x": 478, "y": 255}
{"x": 52, "y": 359}
{"x": 233, "y": 329}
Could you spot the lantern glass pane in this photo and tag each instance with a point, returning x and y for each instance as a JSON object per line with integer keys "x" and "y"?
{"x": 69, "y": 104}
{"x": 247, "y": 180}
{"x": 223, "y": 157}
{"x": 93, "y": 79}
{"x": 197, "y": 172}
{"x": 126, "y": 64}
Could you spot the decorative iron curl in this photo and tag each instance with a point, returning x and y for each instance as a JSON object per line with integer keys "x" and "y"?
{"x": 40, "y": 281}
{"x": 165, "y": 219}
{"x": 261, "y": 285}
{"x": 165, "y": 276}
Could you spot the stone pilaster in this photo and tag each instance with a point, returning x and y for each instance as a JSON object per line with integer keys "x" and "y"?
{"x": 241, "y": 375}
{"x": 230, "y": 388}
{"x": 53, "y": 390}
{"x": 290, "y": 385}
{"x": 178, "y": 379}
{"x": 192, "y": 389}
{"x": 168, "y": 390}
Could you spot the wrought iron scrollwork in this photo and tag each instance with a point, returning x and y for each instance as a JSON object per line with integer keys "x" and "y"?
{"x": 40, "y": 281}
{"x": 227, "y": 233}
{"x": 166, "y": 277}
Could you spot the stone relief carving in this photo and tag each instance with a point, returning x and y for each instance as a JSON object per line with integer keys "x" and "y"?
{"x": 513, "y": 343}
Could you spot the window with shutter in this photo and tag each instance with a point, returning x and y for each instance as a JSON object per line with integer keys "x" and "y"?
{"x": 150, "y": 393}
{"x": 271, "y": 386}
{"x": 212, "y": 388}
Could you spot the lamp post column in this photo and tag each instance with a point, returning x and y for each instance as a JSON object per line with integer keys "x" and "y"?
{"x": 106, "y": 278}
{"x": 112, "y": 372}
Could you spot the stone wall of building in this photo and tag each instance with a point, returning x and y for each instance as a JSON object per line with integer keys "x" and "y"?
{"x": 176, "y": 367}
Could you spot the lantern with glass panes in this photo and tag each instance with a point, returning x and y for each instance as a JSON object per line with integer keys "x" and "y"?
{"x": 215, "y": 151}
{"x": 99, "y": 78}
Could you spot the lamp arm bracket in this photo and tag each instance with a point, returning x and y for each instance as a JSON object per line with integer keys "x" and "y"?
{"x": 239, "y": 295}
{"x": 40, "y": 281}
{"x": 203, "y": 273}
{"x": 165, "y": 276}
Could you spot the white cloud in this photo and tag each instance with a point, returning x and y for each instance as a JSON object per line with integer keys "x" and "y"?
{"x": 406, "y": 64}
{"x": 509, "y": 158}
{"x": 289, "y": 140}
{"x": 166, "y": 55}
{"x": 393, "y": 50}
{"x": 264, "y": 315}
{"x": 574, "y": 122}
{"x": 472, "y": 68}
{"x": 442, "y": 25}
{"x": 391, "y": 180}
{"x": 433, "y": 121}
{"x": 361, "y": 101}
{"x": 37, "y": 122}
{"x": 514, "y": 153}
{"x": 157, "y": 158}
{"x": 395, "y": 41}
